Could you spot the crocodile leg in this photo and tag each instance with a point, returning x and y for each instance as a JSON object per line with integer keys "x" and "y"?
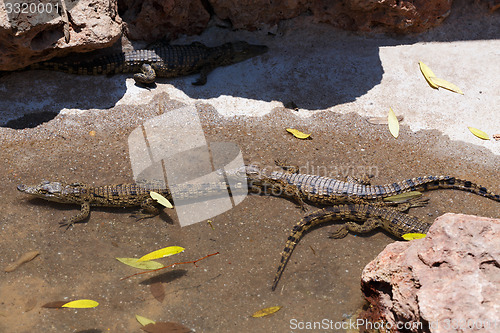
{"x": 147, "y": 75}
{"x": 84, "y": 213}
{"x": 391, "y": 220}
{"x": 202, "y": 80}
{"x": 149, "y": 210}
{"x": 369, "y": 225}
{"x": 287, "y": 167}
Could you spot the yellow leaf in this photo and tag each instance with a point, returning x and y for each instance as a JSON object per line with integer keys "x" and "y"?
{"x": 266, "y": 311}
{"x": 143, "y": 320}
{"x": 160, "y": 199}
{"x": 298, "y": 134}
{"x": 161, "y": 253}
{"x": 480, "y": 134}
{"x": 81, "y": 304}
{"x": 428, "y": 74}
{"x": 403, "y": 196}
{"x": 393, "y": 123}
{"x": 412, "y": 236}
{"x": 134, "y": 262}
{"x": 446, "y": 85}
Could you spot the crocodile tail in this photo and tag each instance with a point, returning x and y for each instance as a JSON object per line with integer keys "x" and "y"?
{"x": 428, "y": 183}
{"x": 302, "y": 226}
{"x": 109, "y": 64}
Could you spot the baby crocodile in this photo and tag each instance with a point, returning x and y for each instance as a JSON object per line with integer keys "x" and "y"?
{"x": 162, "y": 61}
{"x": 122, "y": 195}
{"x": 327, "y": 191}
{"x": 391, "y": 220}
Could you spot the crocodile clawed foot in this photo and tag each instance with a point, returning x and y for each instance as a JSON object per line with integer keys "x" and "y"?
{"x": 66, "y": 224}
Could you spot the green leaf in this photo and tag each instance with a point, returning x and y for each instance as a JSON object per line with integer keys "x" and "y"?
{"x": 403, "y": 196}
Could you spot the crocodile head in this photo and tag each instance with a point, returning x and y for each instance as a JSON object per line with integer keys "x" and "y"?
{"x": 243, "y": 51}
{"x": 244, "y": 172}
{"x": 53, "y": 191}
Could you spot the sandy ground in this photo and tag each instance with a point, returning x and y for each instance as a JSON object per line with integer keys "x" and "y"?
{"x": 71, "y": 128}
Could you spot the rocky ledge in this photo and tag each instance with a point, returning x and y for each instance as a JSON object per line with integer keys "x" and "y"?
{"x": 446, "y": 282}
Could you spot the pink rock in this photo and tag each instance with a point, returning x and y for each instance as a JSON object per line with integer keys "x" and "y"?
{"x": 446, "y": 281}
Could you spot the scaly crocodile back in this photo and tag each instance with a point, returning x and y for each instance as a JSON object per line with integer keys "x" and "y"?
{"x": 323, "y": 186}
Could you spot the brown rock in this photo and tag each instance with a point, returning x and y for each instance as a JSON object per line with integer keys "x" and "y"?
{"x": 153, "y": 20}
{"x": 29, "y": 38}
{"x": 251, "y": 15}
{"x": 445, "y": 281}
{"x": 383, "y": 15}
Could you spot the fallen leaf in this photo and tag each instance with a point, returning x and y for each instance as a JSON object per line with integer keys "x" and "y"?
{"x": 166, "y": 327}
{"x": 28, "y": 256}
{"x": 403, "y": 196}
{"x": 158, "y": 291}
{"x": 392, "y": 120}
{"x": 266, "y": 311}
{"x": 55, "y": 304}
{"x": 134, "y": 262}
{"x": 30, "y": 304}
{"x": 480, "y": 134}
{"x": 160, "y": 199}
{"x": 81, "y": 304}
{"x": 428, "y": 74}
{"x": 412, "y": 236}
{"x": 298, "y": 134}
{"x": 382, "y": 120}
{"x": 446, "y": 85}
{"x": 143, "y": 320}
{"x": 161, "y": 253}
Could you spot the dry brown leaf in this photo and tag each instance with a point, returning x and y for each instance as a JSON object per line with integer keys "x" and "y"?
{"x": 28, "y": 256}
{"x": 382, "y": 120}
{"x": 55, "y": 304}
{"x": 30, "y": 304}
{"x": 166, "y": 327}
{"x": 158, "y": 291}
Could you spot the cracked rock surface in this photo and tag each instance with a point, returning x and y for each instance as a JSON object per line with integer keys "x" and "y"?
{"x": 449, "y": 279}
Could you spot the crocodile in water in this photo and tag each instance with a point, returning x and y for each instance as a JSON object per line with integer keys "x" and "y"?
{"x": 393, "y": 221}
{"x": 122, "y": 195}
{"x": 319, "y": 190}
{"x": 162, "y": 61}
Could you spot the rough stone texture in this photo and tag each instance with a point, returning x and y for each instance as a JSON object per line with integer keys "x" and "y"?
{"x": 451, "y": 276}
{"x": 152, "y": 20}
{"x": 251, "y": 15}
{"x": 383, "y": 15}
{"x": 30, "y": 38}
{"x": 367, "y": 15}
